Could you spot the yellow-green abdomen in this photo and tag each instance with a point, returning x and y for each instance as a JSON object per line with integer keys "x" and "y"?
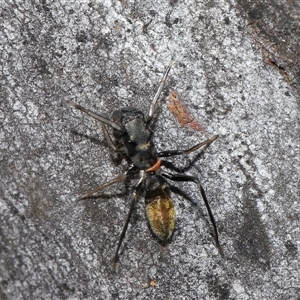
{"x": 161, "y": 216}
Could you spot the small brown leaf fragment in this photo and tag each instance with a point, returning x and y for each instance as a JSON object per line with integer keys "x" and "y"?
{"x": 181, "y": 113}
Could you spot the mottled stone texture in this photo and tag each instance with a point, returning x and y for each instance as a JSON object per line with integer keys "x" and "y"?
{"x": 236, "y": 71}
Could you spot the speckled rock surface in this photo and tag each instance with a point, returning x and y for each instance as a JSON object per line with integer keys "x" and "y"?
{"x": 110, "y": 54}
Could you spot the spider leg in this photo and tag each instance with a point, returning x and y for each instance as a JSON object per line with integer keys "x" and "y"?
{"x": 105, "y": 185}
{"x": 96, "y": 116}
{"x": 108, "y": 138}
{"x": 169, "y": 153}
{"x": 158, "y": 92}
{"x": 132, "y": 204}
{"x": 184, "y": 177}
{"x": 119, "y": 148}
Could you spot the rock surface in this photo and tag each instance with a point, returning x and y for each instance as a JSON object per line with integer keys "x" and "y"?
{"x": 235, "y": 77}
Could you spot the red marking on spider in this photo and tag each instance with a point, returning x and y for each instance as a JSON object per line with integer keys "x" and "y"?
{"x": 154, "y": 167}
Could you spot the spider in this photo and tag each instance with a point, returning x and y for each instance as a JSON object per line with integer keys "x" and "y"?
{"x": 133, "y": 139}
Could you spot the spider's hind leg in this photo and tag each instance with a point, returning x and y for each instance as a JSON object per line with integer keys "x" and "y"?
{"x": 185, "y": 177}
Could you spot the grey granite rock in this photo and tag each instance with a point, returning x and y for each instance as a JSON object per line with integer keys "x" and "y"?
{"x": 109, "y": 54}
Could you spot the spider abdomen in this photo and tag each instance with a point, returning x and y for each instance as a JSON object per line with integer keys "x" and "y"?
{"x": 161, "y": 217}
